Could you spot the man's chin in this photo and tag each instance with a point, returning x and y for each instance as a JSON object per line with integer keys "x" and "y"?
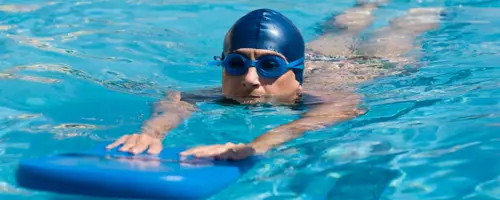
{"x": 255, "y": 96}
{"x": 248, "y": 99}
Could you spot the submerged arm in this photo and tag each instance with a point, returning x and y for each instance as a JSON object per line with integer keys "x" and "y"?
{"x": 320, "y": 116}
{"x": 167, "y": 114}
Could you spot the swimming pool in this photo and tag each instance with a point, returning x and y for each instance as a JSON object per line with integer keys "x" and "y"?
{"x": 73, "y": 73}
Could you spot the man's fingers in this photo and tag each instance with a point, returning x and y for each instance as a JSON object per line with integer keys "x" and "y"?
{"x": 221, "y": 152}
{"x": 210, "y": 152}
{"x": 197, "y": 150}
{"x": 137, "y": 143}
{"x": 189, "y": 151}
{"x": 155, "y": 147}
{"x": 142, "y": 144}
{"x": 120, "y": 140}
{"x": 131, "y": 141}
{"x": 193, "y": 151}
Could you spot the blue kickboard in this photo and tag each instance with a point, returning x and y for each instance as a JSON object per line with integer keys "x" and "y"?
{"x": 103, "y": 173}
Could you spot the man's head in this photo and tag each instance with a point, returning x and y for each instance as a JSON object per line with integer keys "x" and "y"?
{"x": 277, "y": 48}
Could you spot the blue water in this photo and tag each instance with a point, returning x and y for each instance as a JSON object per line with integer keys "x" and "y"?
{"x": 73, "y": 73}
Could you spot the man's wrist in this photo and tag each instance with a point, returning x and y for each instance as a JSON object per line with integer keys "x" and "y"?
{"x": 154, "y": 132}
{"x": 259, "y": 147}
{"x": 159, "y": 125}
{"x": 276, "y": 137}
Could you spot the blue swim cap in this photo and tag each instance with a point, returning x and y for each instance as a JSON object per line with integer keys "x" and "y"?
{"x": 270, "y": 30}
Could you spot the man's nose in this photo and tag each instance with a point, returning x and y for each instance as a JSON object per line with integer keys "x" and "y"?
{"x": 251, "y": 79}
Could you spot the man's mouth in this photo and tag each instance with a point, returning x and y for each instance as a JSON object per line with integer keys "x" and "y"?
{"x": 253, "y": 96}
{"x": 250, "y": 94}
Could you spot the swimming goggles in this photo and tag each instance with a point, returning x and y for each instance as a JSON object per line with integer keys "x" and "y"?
{"x": 270, "y": 66}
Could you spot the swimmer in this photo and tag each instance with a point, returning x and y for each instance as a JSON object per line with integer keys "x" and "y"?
{"x": 265, "y": 60}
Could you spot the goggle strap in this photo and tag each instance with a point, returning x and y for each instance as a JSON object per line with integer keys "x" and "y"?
{"x": 216, "y": 62}
{"x": 297, "y": 64}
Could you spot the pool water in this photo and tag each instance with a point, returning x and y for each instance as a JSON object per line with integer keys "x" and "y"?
{"x": 73, "y": 73}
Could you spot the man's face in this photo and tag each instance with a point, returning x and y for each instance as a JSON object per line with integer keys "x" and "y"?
{"x": 252, "y": 87}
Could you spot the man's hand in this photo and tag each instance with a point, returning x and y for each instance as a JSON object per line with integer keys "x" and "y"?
{"x": 228, "y": 151}
{"x": 138, "y": 143}
{"x": 167, "y": 114}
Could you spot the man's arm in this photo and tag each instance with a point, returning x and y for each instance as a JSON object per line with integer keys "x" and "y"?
{"x": 167, "y": 114}
{"x": 320, "y": 116}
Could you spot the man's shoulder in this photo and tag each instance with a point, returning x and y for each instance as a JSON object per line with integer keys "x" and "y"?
{"x": 316, "y": 97}
{"x": 202, "y": 95}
